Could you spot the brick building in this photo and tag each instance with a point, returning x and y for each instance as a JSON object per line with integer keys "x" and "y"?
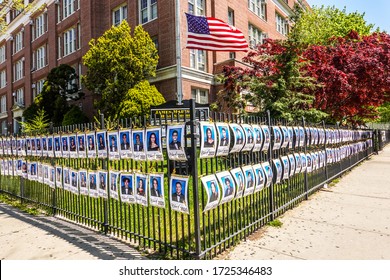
{"x": 52, "y": 32}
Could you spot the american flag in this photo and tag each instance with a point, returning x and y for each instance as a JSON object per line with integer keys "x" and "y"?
{"x": 208, "y": 33}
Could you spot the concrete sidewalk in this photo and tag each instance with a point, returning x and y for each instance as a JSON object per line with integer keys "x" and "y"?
{"x": 350, "y": 221}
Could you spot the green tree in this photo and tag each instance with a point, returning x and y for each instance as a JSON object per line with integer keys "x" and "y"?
{"x": 318, "y": 25}
{"x": 38, "y": 124}
{"x": 117, "y": 62}
{"x": 74, "y": 116}
{"x": 384, "y": 113}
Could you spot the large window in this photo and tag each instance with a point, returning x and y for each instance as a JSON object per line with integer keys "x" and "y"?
{"x": 256, "y": 36}
{"x": 3, "y": 104}
{"x": 18, "y": 70}
{"x": 18, "y": 42}
{"x": 41, "y": 57}
{"x": 259, "y": 7}
{"x": 197, "y": 57}
{"x": 69, "y": 41}
{"x": 119, "y": 14}
{"x": 40, "y": 26}
{"x": 38, "y": 87}
{"x": 2, "y": 54}
{"x": 281, "y": 24}
{"x": 196, "y": 7}
{"x": 3, "y": 79}
{"x": 68, "y": 8}
{"x": 148, "y": 10}
{"x": 20, "y": 96}
{"x": 200, "y": 95}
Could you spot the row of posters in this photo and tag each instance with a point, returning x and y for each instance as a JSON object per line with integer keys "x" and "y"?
{"x": 217, "y": 139}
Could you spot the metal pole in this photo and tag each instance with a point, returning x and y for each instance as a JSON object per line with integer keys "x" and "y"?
{"x": 178, "y": 56}
{"x": 105, "y": 205}
{"x": 269, "y": 156}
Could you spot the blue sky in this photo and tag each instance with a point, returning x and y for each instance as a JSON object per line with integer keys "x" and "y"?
{"x": 377, "y": 12}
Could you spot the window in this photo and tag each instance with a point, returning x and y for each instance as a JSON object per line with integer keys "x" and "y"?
{"x": 200, "y": 95}
{"x": 20, "y": 96}
{"x": 259, "y": 7}
{"x": 281, "y": 24}
{"x": 119, "y": 14}
{"x": 2, "y": 54}
{"x": 3, "y": 79}
{"x": 148, "y": 10}
{"x": 231, "y": 17}
{"x": 41, "y": 57}
{"x": 18, "y": 43}
{"x": 69, "y": 41}
{"x": 40, "y": 26}
{"x": 196, "y": 7}
{"x": 4, "y": 127}
{"x": 256, "y": 36}
{"x": 38, "y": 87}
{"x": 68, "y": 8}
{"x": 18, "y": 69}
{"x": 3, "y": 104}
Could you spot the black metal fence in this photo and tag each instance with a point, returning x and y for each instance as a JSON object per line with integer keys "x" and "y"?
{"x": 194, "y": 232}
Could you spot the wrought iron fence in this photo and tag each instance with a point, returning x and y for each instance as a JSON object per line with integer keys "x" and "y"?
{"x": 284, "y": 175}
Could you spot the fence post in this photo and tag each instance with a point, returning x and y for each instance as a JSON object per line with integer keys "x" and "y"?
{"x": 305, "y": 151}
{"x": 105, "y": 165}
{"x": 194, "y": 171}
{"x": 269, "y": 156}
{"x": 326, "y": 155}
{"x": 52, "y": 161}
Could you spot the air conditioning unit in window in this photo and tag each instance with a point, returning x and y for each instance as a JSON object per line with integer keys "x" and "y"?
{"x": 31, "y": 22}
{"x": 11, "y": 38}
{"x": 57, "y": 2}
{"x": 14, "y": 94}
{"x": 33, "y": 69}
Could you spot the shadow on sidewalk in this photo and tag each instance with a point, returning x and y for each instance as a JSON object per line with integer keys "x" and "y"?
{"x": 98, "y": 245}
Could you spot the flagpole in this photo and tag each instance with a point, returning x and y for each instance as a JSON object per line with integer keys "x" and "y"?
{"x": 178, "y": 56}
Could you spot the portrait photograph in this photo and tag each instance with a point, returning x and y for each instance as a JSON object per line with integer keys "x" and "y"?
{"x": 249, "y": 137}
{"x": 101, "y": 143}
{"x": 28, "y": 146}
{"x": 211, "y": 188}
{"x": 125, "y": 150}
{"x": 65, "y": 145}
{"x": 154, "y": 144}
{"x": 308, "y": 136}
{"x": 223, "y": 139}
{"x": 33, "y": 170}
{"x": 278, "y": 170}
{"x": 91, "y": 144}
{"x": 156, "y": 191}
{"x": 322, "y": 156}
{"x": 66, "y": 178}
{"x": 113, "y": 144}
{"x": 178, "y": 195}
{"x": 268, "y": 173}
{"x": 50, "y": 146}
{"x": 92, "y": 184}
{"x": 208, "y": 143}
{"x": 267, "y": 137}
{"x": 260, "y": 177}
{"x": 250, "y": 179}
{"x": 291, "y": 159}
{"x": 238, "y": 137}
{"x": 81, "y": 148}
{"x": 73, "y": 146}
{"x": 33, "y": 146}
{"x": 138, "y": 144}
{"x": 102, "y": 183}
{"x": 59, "y": 177}
{"x": 285, "y": 137}
{"x": 298, "y": 163}
{"x": 74, "y": 181}
{"x": 314, "y": 136}
{"x": 258, "y": 138}
{"x": 45, "y": 168}
{"x": 175, "y": 142}
{"x": 18, "y": 168}
{"x": 309, "y": 166}
{"x": 126, "y": 187}
{"x": 83, "y": 181}
{"x": 44, "y": 145}
{"x": 113, "y": 184}
{"x": 239, "y": 180}
{"x": 40, "y": 173}
{"x": 141, "y": 189}
{"x": 52, "y": 175}
{"x": 277, "y": 140}
{"x": 286, "y": 167}
{"x": 38, "y": 145}
{"x": 228, "y": 186}
{"x": 303, "y": 162}
{"x": 296, "y": 136}
{"x": 301, "y": 136}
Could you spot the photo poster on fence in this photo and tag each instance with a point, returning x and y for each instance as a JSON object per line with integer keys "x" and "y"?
{"x": 268, "y": 173}
{"x": 38, "y": 145}
{"x": 125, "y": 145}
{"x": 73, "y": 146}
{"x": 239, "y": 179}
{"x": 81, "y": 149}
{"x": 74, "y": 186}
{"x": 314, "y": 136}
{"x": 52, "y": 173}
{"x": 65, "y": 145}
{"x": 43, "y": 173}
{"x": 156, "y": 194}
{"x": 208, "y": 141}
{"x": 113, "y": 179}
{"x": 138, "y": 141}
{"x": 285, "y": 137}
{"x": 19, "y": 167}
{"x": 308, "y": 136}
{"x": 223, "y": 138}
{"x": 28, "y": 146}
{"x": 298, "y": 163}
{"x": 175, "y": 142}
{"x": 258, "y": 135}
{"x": 296, "y": 136}
{"x": 313, "y": 161}
{"x": 91, "y": 144}
{"x": 59, "y": 177}
{"x": 1, "y": 146}
{"x": 290, "y": 130}
{"x": 227, "y": 182}
{"x": 92, "y": 184}
{"x": 126, "y": 184}
{"x": 212, "y": 190}
{"x": 24, "y": 168}
{"x": 238, "y": 136}
{"x": 303, "y": 162}
{"x": 66, "y": 180}
{"x": 83, "y": 181}
{"x": 267, "y": 137}
{"x": 249, "y": 176}
{"x": 309, "y": 165}
{"x": 102, "y": 183}
{"x": 33, "y": 147}
{"x": 286, "y": 167}
{"x": 101, "y": 143}
{"x": 260, "y": 177}
{"x": 291, "y": 159}
{"x": 154, "y": 144}
{"x": 321, "y": 135}
{"x": 301, "y": 136}
{"x": 277, "y": 133}
{"x": 2, "y": 171}
{"x": 50, "y": 146}
{"x": 178, "y": 195}
{"x": 113, "y": 143}
{"x": 141, "y": 190}
{"x": 278, "y": 170}
{"x": 57, "y": 145}
{"x": 249, "y": 137}
{"x": 44, "y": 145}
{"x": 33, "y": 170}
